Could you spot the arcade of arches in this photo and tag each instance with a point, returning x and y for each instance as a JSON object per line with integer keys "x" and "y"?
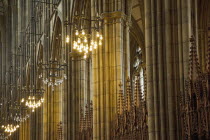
{"x": 104, "y": 69}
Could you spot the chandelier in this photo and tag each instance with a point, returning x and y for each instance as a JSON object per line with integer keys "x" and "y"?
{"x": 10, "y": 128}
{"x": 33, "y": 103}
{"x": 20, "y": 117}
{"x": 34, "y": 100}
{"x": 54, "y": 75}
{"x": 85, "y": 43}
{"x": 87, "y": 34}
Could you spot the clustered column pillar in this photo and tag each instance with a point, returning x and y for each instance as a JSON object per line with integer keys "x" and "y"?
{"x": 167, "y": 33}
{"x": 108, "y": 71}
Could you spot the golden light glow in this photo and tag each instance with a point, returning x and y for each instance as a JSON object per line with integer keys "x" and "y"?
{"x": 84, "y": 43}
{"x": 10, "y": 128}
{"x": 22, "y": 100}
{"x": 76, "y": 33}
{"x": 34, "y": 103}
{"x": 67, "y": 39}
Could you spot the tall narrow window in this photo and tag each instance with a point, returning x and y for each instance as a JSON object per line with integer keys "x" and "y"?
{"x": 138, "y": 70}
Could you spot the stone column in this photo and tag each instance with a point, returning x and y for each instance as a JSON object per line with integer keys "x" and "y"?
{"x": 186, "y": 33}
{"x": 170, "y": 69}
{"x": 160, "y": 65}
{"x": 148, "y": 46}
{"x": 108, "y": 71}
{"x": 45, "y": 114}
{"x": 166, "y": 63}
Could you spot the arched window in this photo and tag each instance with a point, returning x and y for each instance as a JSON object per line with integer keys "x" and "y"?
{"x": 141, "y": 76}
{"x": 138, "y": 70}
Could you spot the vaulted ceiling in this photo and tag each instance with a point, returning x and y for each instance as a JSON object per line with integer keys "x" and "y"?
{"x": 137, "y": 28}
{"x": 138, "y": 13}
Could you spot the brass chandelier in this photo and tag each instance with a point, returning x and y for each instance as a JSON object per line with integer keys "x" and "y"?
{"x": 10, "y": 128}
{"x": 54, "y": 75}
{"x": 87, "y": 34}
{"x": 33, "y": 102}
{"x": 54, "y": 66}
{"x": 85, "y": 43}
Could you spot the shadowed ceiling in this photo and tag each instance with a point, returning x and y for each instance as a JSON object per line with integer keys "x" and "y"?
{"x": 138, "y": 13}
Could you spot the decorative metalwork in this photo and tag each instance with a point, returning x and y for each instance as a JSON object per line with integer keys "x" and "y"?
{"x": 195, "y": 102}
{"x": 87, "y": 33}
{"x": 55, "y": 65}
{"x": 60, "y": 131}
{"x": 54, "y": 73}
{"x": 20, "y": 88}
{"x": 86, "y": 123}
{"x": 131, "y": 119}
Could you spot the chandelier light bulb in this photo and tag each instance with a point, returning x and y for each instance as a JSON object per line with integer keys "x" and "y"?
{"x": 83, "y": 32}
{"x": 22, "y": 100}
{"x": 92, "y": 43}
{"x": 101, "y": 37}
{"x": 81, "y": 46}
{"x": 76, "y": 33}
{"x": 75, "y": 45}
{"x": 41, "y": 75}
{"x": 85, "y": 40}
{"x": 67, "y": 39}
{"x": 97, "y": 34}
{"x": 39, "y": 103}
{"x": 79, "y": 41}
{"x": 100, "y": 43}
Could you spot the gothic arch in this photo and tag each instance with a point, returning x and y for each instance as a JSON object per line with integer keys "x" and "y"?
{"x": 28, "y": 69}
{"x": 56, "y": 43}
{"x": 137, "y": 30}
{"x": 39, "y": 64}
{"x": 53, "y": 95}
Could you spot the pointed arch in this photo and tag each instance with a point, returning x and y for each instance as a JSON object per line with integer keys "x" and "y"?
{"x": 56, "y": 44}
